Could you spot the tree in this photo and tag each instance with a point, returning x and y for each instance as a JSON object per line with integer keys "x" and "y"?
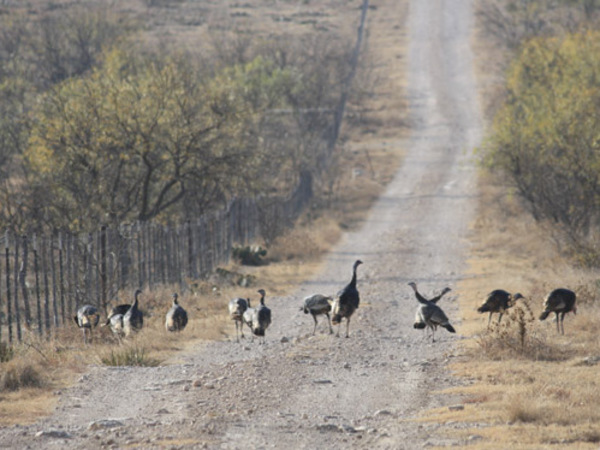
{"x": 547, "y": 135}
{"x": 140, "y": 138}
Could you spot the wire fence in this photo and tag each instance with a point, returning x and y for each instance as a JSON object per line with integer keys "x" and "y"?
{"x": 44, "y": 279}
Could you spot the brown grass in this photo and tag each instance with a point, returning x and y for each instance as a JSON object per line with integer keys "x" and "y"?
{"x": 530, "y": 386}
{"x": 368, "y": 156}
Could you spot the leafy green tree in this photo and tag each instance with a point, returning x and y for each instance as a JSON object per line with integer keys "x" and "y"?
{"x": 547, "y": 135}
{"x": 140, "y": 138}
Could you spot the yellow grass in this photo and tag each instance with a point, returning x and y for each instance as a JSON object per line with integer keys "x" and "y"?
{"x": 368, "y": 157}
{"x": 548, "y": 393}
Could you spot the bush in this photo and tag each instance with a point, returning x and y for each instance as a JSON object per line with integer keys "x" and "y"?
{"x": 515, "y": 337}
{"x": 545, "y": 137}
{"x": 18, "y": 375}
{"x": 130, "y": 356}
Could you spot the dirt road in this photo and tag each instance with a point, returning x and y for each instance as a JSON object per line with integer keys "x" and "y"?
{"x": 300, "y": 391}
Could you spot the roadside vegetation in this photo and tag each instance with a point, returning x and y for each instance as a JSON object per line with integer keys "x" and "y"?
{"x": 527, "y": 386}
{"x": 125, "y": 116}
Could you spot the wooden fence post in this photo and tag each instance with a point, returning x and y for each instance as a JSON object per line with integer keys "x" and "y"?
{"x": 54, "y": 284}
{"x": 103, "y": 276}
{"x": 36, "y": 269}
{"x": 22, "y": 280}
{"x": 16, "y": 291}
{"x": 46, "y": 286}
{"x": 61, "y": 278}
{"x": 8, "y": 296}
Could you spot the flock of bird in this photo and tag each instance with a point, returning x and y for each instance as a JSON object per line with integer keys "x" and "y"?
{"x": 560, "y": 302}
{"x": 125, "y": 319}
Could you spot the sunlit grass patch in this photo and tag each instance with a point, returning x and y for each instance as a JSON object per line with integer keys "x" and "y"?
{"x": 128, "y": 356}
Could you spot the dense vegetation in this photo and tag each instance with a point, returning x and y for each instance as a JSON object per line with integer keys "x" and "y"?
{"x": 546, "y": 136}
{"x": 97, "y": 128}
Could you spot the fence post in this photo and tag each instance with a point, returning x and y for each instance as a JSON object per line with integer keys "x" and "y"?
{"x": 46, "y": 286}
{"x": 103, "y": 280}
{"x": 61, "y": 277}
{"x": 53, "y": 273}
{"x": 8, "y": 296}
{"x": 36, "y": 269}
{"x": 16, "y": 275}
{"x": 22, "y": 279}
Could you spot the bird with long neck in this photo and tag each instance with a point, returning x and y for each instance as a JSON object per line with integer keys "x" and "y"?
{"x": 346, "y": 302}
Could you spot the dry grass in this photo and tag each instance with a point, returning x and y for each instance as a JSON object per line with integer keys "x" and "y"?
{"x": 368, "y": 157}
{"x": 528, "y": 385}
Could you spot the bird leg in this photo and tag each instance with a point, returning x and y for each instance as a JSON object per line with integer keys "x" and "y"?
{"x": 348, "y": 327}
{"x": 562, "y": 322}
{"x": 557, "y": 324}
{"x": 315, "y": 328}
{"x": 500, "y": 317}
{"x": 489, "y": 319}
{"x": 329, "y": 322}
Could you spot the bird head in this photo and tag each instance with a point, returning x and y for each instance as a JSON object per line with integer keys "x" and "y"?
{"x": 357, "y": 263}
{"x": 262, "y": 292}
{"x": 517, "y": 296}
{"x": 175, "y": 297}
{"x": 413, "y": 285}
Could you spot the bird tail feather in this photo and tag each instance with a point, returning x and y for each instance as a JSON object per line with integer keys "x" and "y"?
{"x": 450, "y": 328}
{"x": 419, "y": 325}
{"x": 483, "y": 308}
{"x": 336, "y": 319}
{"x": 544, "y": 315}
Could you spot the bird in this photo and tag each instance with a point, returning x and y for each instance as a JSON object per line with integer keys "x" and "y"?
{"x": 431, "y": 315}
{"x": 419, "y": 323}
{"x": 560, "y": 301}
{"x": 87, "y": 318}
{"x": 237, "y": 307}
{"x": 117, "y": 326}
{"x": 133, "y": 319}
{"x": 116, "y": 310}
{"x": 346, "y": 302}
{"x": 316, "y": 305}
{"x": 248, "y": 315}
{"x": 498, "y": 301}
{"x": 259, "y": 318}
{"x": 177, "y": 318}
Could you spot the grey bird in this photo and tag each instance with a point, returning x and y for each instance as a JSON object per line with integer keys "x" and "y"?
{"x": 259, "y": 318}
{"x": 87, "y": 318}
{"x": 316, "y": 305}
{"x": 346, "y": 302}
{"x": 498, "y": 301}
{"x": 177, "y": 317}
{"x": 133, "y": 320}
{"x": 116, "y": 310}
{"x": 432, "y": 315}
{"x": 237, "y": 307}
{"x": 560, "y": 301}
{"x": 419, "y": 323}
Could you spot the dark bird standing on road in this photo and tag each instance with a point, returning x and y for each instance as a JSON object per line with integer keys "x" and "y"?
{"x": 431, "y": 314}
{"x": 346, "y": 302}
{"x": 237, "y": 307}
{"x": 419, "y": 322}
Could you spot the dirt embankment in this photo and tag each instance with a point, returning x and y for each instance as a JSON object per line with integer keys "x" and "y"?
{"x": 304, "y": 391}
